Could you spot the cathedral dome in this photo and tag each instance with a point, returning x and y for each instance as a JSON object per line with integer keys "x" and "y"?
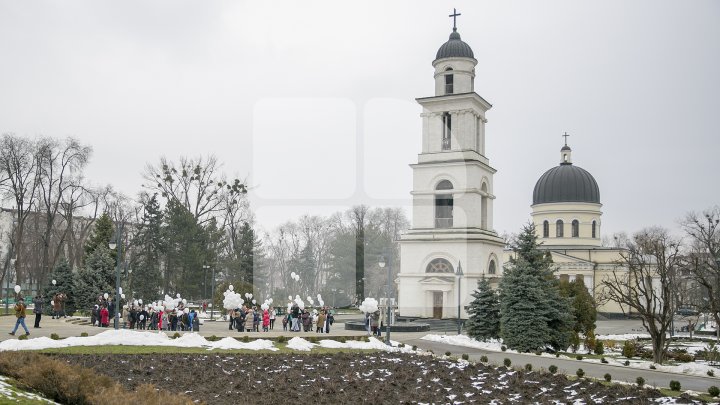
{"x": 566, "y": 183}
{"x": 454, "y": 48}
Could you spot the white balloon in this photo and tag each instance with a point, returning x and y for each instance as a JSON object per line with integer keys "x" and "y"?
{"x": 184, "y": 301}
{"x": 290, "y": 297}
{"x": 250, "y": 295}
{"x": 52, "y": 302}
{"x": 230, "y": 287}
{"x": 270, "y": 300}
{"x": 142, "y": 317}
{"x": 186, "y": 310}
{"x": 17, "y": 289}
{"x": 140, "y": 302}
{"x": 120, "y": 290}
{"x": 253, "y": 301}
{"x": 122, "y": 296}
{"x": 54, "y": 282}
{"x": 105, "y": 295}
{"x": 178, "y": 295}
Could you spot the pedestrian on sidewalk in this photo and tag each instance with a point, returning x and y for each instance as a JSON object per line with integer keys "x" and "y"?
{"x": 20, "y": 315}
{"x": 38, "y": 302}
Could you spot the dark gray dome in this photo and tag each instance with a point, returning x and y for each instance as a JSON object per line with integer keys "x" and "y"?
{"x": 454, "y": 48}
{"x": 566, "y": 183}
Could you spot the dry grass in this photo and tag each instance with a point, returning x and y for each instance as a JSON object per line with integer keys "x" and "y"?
{"x": 68, "y": 384}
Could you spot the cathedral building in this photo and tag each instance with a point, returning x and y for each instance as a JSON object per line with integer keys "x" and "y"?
{"x": 452, "y": 243}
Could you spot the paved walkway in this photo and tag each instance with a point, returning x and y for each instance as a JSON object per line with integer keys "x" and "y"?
{"x": 64, "y": 328}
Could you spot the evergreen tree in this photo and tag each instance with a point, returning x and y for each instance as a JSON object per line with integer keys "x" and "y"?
{"x": 64, "y": 283}
{"x": 584, "y": 311}
{"x": 249, "y": 253}
{"x": 95, "y": 279}
{"x": 484, "y": 313}
{"x": 533, "y": 313}
{"x": 146, "y": 278}
{"x": 102, "y": 234}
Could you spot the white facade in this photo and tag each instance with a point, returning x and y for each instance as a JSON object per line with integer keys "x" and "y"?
{"x": 452, "y": 200}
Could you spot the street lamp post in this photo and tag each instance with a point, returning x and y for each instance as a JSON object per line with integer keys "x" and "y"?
{"x": 117, "y": 243}
{"x": 459, "y": 275}
{"x": 11, "y": 261}
{"x": 212, "y": 291}
{"x": 387, "y": 300}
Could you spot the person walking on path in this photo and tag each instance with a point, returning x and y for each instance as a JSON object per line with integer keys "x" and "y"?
{"x": 20, "y": 315}
{"x": 38, "y": 302}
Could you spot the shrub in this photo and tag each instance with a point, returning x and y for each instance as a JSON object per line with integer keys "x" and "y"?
{"x": 465, "y": 356}
{"x": 414, "y": 348}
{"x": 281, "y": 339}
{"x": 640, "y": 381}
{"x": 448, "y": 354}
{"x": 552, "y": 369}
{"x": 528, "y": 367}
{"x": 483, "y": 359}
{"x": 503, "y": 348}
{"x": 342, "y": 339}
{"x": 599, "y": 347}
{"x": 652, "y": 367}
{"x": 608, "y": 377}
{"x": 711, "y": 373}
{"x": 628, "y": 349}
{"x": 627, "y": 362}
{"x": 312, "y": 339}
{"x": 675, "y": 385}
{"x": 54, "y": 336}
{"x": 246, "y": 339}
{"x": 401, "y": 344}
{"x": 507, "y": 362}
{"x": 84, "y": 334}
{"x": 714, "y": 391}
{"x": 64, "y": 383}
{"x": 684, "y": 357}
{"x": 22, "y": 337}
{"x": 579, "y": 357}
{"x": 580, "y": 373}
{"x": 603, "y": 360}
{"x": 557, "y": 354}
{"x": 538, "y": 353}
{"x": 365, "y": 338}
{"x": 176, "y": 335}
{"x": 610, "y": 344}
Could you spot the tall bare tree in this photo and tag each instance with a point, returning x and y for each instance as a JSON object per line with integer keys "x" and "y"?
{"x": 60, "y": 165}
{"x": 19, "y": 181}
{"x": 703, "y": 260}
{"x": 645, "y": 282}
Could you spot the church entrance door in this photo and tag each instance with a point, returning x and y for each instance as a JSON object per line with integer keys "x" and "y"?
{"x": 437, "y": 304}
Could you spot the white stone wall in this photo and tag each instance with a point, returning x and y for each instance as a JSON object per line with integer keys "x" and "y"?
{"x": 585, "y": 213}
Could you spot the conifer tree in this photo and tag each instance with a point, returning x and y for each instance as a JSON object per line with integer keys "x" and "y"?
{"x": 102, "y": 234}
{"x": 146, "y": 263}
{"x": 64, "y": 283}
{"x": 484, "y": 313}
{"x": 533, "y": 313}
{"x": 95, "y": 279}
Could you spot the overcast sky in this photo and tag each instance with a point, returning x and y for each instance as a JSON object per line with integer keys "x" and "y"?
{"x": 313, "y": 102}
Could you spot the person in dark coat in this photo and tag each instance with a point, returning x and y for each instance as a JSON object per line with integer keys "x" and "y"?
{"x": 39, "y": 303}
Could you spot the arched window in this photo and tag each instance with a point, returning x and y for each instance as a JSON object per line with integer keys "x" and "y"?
{"x": 447, "y": 131}
{"x": 439, "y": 266}
{"x": 491, "y": 267}
{"x": 448, "y": 81}
{"x": 575, "y": 228}
{"x": 546, "y": 229}
{"x": 444, "y": 206}
{"x": 594, "y": 224}
{"x": 559, "y": 229}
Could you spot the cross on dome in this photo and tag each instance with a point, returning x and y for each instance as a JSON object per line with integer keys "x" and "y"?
{"x": 454, "y": 16}
{"x": 565, "y": 135}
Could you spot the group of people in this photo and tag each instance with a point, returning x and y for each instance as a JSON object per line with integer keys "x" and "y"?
{"x": 297, "y": 318}
{"x": 249, "y": 319}
{"x": 147, "y": 318}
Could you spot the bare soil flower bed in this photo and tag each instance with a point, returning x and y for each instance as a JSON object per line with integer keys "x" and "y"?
{"x": 341, "y": 378}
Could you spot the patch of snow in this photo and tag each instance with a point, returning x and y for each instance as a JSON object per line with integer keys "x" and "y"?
{"x": 298, "y": 343}
{"x": 229, "y": 343}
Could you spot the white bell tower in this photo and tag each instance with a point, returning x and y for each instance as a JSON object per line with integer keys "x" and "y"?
{"x": 452, "y": 222}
